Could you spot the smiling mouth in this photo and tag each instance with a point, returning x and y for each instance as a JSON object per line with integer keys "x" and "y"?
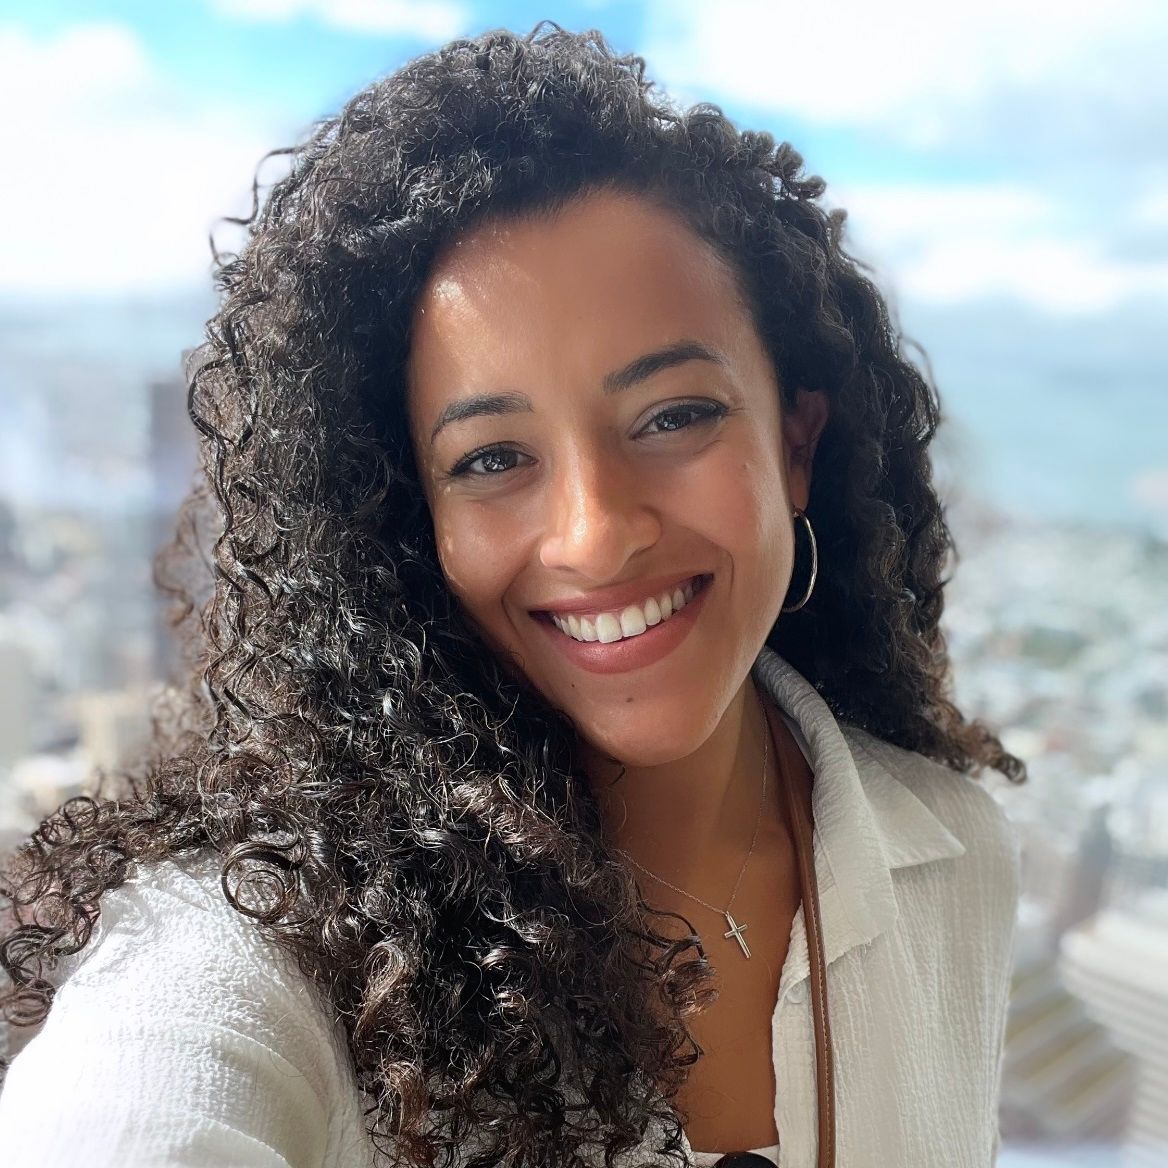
{"x": 611, "y": 626}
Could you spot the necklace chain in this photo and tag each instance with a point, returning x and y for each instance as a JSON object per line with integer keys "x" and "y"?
{"x": 754, "y": 839}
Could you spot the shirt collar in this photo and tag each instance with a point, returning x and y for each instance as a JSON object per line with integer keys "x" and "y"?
{"x": 867, "y": 823}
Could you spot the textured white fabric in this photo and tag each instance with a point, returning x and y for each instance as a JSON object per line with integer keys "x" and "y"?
{"x": 180, "y": 1038}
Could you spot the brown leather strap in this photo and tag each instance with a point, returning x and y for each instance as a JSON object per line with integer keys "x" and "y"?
{"x": 802, "y": 830}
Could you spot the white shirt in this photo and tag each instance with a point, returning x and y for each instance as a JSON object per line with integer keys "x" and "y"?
{"x": 180, "y": 1037}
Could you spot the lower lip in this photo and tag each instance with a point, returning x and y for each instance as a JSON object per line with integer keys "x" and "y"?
{"x": 630, "y": 652}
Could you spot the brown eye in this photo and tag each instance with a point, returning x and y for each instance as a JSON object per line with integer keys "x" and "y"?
{"x": 485, "y": 454}
{"x": 703, "y": 411}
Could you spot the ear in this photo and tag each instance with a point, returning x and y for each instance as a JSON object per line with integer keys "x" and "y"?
{"x": 802, "y": 426}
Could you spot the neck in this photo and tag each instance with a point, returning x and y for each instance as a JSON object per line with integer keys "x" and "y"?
{"x": 691, "y": 821}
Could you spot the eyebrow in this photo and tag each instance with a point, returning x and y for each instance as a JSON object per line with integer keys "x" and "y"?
{"x": 638, "y": 370}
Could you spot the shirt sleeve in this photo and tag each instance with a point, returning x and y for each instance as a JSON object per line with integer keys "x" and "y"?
{"x": 180, "y": 1040}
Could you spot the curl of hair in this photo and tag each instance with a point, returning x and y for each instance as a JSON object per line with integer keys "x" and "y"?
{"x": 392, "y": 806}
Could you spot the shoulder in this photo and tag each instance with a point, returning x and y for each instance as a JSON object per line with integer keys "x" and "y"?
{"x": 168, "y": 939}
{"x": 180, "y": 1026}
{"x": 172, "y": 916}
{"x": 964, "y": 805}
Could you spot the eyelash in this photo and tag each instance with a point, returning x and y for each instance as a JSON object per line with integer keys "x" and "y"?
{"x": 706, "y": 411}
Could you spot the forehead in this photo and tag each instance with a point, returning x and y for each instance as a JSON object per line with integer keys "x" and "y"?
{"x": 608, "y": 277}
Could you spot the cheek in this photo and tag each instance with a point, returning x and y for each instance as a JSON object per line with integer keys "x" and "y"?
{"x": 741, "y": 502}
{"x": 474, "y": 555}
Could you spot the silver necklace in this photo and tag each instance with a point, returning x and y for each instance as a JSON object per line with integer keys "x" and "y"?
{"x": 736, "y": 928}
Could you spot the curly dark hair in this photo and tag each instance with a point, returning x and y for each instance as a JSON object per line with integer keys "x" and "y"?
{"x": 390, "y": 804}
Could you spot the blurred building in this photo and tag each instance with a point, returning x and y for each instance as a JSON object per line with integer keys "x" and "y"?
{"x": 1116, "y": 964}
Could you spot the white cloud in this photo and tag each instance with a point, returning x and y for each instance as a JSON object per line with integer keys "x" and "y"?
{"x": 103, "y": 61}
{"x": 901, "y": 65}
{"x": 1068, "y": 96}
{"x": 432, "y": 19}
{"x": 1149, "y": 489}
{"x": 901, "y": 216}
{"x": 951, "y": 243}
{"x": 1151, "y": 208}
{"x": 114, "y": 181}
{"x": 1054, "y": 274}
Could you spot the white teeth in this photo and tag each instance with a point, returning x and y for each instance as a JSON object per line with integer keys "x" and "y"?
{"x": 607, "y": 628}
{"x": 631, "y": 621}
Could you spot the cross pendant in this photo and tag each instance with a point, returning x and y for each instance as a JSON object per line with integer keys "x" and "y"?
{"x": 736, "y": 931}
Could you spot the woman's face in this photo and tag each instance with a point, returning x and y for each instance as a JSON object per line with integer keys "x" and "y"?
{"x": 596, "y": 423}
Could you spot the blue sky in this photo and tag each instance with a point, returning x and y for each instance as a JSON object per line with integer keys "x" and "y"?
{"x": 281, "y": 60}
{"x": 1004, "y": 163}
{"x": 1016, "y": 150}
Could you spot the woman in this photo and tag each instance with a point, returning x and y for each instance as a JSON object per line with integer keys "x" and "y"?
{"x": 579, "y": 551}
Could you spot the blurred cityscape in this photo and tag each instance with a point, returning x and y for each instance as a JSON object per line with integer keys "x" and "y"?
{"x": 1059, "y": 634}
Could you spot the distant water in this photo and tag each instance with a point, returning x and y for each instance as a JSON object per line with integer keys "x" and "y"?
{"x": 1059, "y": 418}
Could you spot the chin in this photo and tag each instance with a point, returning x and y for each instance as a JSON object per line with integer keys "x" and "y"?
{"x": 635, "y": 747}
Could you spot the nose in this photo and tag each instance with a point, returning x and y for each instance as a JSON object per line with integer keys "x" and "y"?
{"x": 599, "y": 514}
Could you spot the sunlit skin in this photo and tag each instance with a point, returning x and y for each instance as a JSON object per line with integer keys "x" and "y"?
{"x": 584, "y": 489}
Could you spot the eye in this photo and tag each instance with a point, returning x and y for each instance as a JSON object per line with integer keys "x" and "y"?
{"x": 704, "y": 412}
{"x": 485, "y": 454}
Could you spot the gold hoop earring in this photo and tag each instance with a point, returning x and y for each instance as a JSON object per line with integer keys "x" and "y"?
{"x": 814, "y": 563}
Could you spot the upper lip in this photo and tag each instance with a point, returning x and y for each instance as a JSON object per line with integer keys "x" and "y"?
{"x": 619, "y": 595}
